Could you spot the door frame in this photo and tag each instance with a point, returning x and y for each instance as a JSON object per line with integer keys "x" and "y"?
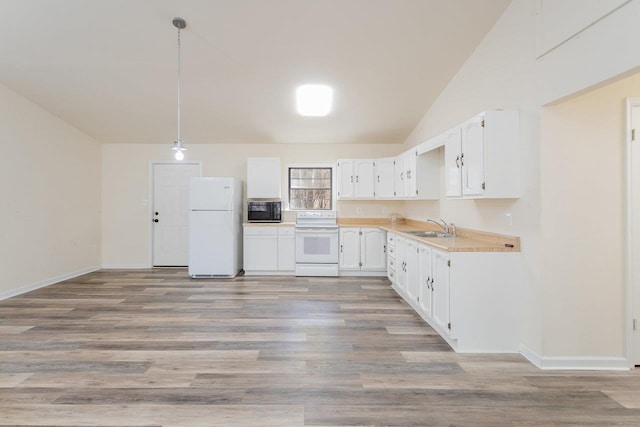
{"x": 152, "y": 164}
{"x": 631, "y": 289}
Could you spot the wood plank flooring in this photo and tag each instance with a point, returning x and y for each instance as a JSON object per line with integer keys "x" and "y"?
{"x": 153, "y": 348}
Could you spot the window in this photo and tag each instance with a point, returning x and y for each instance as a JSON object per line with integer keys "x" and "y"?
{"x": 310, "y": 188}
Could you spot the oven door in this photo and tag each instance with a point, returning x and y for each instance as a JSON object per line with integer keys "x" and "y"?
{"x": 317, "y": 245}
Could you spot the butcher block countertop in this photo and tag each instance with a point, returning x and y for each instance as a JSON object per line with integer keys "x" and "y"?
{"x": 466, "y": 240}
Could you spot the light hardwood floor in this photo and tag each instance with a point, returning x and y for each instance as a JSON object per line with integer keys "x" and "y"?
{"x": 153, "y": 348}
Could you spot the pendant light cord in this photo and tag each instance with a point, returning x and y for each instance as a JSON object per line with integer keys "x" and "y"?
{"x": 179, "y": 139}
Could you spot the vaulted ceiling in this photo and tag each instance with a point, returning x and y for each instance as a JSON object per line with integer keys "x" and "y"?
{"x": 109, "y": 67}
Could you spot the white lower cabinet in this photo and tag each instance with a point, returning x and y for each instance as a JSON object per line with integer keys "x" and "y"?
{"x": 268, "y": 249}
{"x": 391, "y": 258}
{"x": 363, "y": 251}
{"x": 286, "y": 249}
{"x": 440, "y": 286}
{"x": 469, "y": 298}
{"x": 411, "y": 268}
{"x": 425, "y": 288}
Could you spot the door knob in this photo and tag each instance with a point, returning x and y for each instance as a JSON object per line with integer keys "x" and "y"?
{"x": 156, "y": 213}
{"x": 155, "y": 220}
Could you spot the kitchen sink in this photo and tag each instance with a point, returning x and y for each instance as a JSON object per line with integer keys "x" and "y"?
{"x": 427, "y": 233}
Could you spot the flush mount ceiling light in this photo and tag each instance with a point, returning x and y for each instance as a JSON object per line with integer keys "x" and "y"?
{"x": 178, "y": 146}
{"x": 314, "y": 100}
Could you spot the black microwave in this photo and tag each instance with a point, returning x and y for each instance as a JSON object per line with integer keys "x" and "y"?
{"x": 265, "y": 211}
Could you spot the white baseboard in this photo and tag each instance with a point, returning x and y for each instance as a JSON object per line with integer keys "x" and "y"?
{"x": 351, "y": 273}
{"x": 531, "y": 355}
{"x": 125, "y": 266}
{"x": 47, "y": 282}
{"x": 586, "y": 363}
{"x": 575, "y": 363}
{"x": 269, "y": 273}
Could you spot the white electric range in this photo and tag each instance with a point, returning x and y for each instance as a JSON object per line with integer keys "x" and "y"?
{"x": 317, "y": 243}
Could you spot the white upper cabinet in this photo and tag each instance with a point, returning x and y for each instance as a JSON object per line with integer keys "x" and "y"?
{"x": 407, "y": 176}
{"x": 452, "y": 151}
{"x": 263, "y": 178}
{"x": 410, "y": 175}
{"x": 418, "y": 175}
{"x": 482, "y": 157}
{"x": 346, "y": 179}
{"x": 385, "y": 173}
{"x": 472, "y": 157}
{"x": 356, "y": 178}
{"x": 365, "y": 178}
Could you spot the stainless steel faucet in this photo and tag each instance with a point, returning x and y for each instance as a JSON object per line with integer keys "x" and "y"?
{"x": 443, "y": 224}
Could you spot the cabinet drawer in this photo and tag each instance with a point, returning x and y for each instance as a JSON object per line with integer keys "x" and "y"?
{"x": 391, "y": 274}
{"x": 391, "y": 251}
{"x": 391, "y": 240}
{"x": 260, "y": 231}
{"x": 391, "y": 263}
{"x": 285, "y": 231}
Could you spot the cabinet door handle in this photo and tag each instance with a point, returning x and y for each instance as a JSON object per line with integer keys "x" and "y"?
{"x": 384, "y": 249}
{"x": 458, "y": 162}
{"x": 357, "y": 178}
{"x": 401, "y": 175}
{"x": 408, "y": 174}
{"x": 462, "y": 159}
{"x": 341, "y": 248}
{"x": 351, "y": 178}
{"x": 378, "y": 178}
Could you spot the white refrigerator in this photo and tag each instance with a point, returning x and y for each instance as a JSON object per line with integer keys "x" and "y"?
{"x": 215, "y": 227}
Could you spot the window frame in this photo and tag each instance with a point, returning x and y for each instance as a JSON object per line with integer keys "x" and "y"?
{"x": 331, "y": 166}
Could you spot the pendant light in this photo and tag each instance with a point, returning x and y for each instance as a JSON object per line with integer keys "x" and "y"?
{"x": 178, "y": 146}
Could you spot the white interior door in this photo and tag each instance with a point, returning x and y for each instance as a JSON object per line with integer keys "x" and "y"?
{"x": 170, "y": 214}
{"x": 635, "y": 230}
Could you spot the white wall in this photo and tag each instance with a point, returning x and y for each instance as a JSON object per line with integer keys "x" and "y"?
{"x": 582, "y": 218}
{"x": 570, "y": 214}
{"x": 559, "y": 21}
{"x": 125, "y": 185}
{"x": 501, "y": 73}
{"x": 605, "y": 50}
{"x": 50, "y": 186}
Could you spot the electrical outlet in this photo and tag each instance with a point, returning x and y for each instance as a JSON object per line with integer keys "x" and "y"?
{"x": 358, "y": 211}
{"x": 509, "y": 218}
